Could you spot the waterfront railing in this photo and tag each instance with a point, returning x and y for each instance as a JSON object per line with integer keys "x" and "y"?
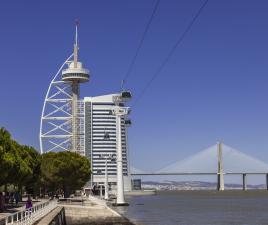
{"x": 29, "y": 216}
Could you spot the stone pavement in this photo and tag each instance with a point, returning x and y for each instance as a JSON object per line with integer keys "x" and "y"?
{"x": 92, "y": 211}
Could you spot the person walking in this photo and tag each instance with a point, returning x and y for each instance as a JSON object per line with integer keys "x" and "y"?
{"x": 11, "y": 196}
{"x": 29, "y": 203}
{"x": 6, "y": 198}
{"x": 2, "y": 202}
{"x": 17, "y": 197}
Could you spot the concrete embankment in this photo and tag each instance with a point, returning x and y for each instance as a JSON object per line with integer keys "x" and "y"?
{"x": 141, "y": 192}
{"x": 55, "y": 217}
{"x": 92, "y": 211}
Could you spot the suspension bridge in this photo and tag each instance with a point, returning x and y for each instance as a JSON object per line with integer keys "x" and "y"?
{"x": 218, "y": 160}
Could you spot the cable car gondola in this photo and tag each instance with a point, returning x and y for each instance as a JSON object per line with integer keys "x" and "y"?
{"x": 128, "y": 122}
{"x": 106, "y": 136}
{"x": 126, "y": 95}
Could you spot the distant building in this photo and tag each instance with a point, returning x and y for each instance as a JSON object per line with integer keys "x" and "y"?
{"x": 100, "y": 138}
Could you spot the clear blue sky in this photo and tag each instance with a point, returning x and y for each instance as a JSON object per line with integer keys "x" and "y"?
{"x": 214, "y": 87}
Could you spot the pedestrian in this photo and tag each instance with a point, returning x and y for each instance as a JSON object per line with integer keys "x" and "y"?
{"x": 2, "y": 202}
{"x": 29, "y": 203}
{"x": 6, "y": 197}
{"x": 12, "y": 198}
{"x": 17, "y": 197}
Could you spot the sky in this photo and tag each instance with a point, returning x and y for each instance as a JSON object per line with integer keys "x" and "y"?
{"x": 213, "y": 88}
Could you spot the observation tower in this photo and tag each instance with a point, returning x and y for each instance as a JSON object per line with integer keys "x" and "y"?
{"x": 62, "y": 120}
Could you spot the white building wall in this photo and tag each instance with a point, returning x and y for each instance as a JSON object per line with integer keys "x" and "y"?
{"x": 98, "y": 121}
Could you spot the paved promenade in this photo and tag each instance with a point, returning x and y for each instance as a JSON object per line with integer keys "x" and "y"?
{"x": 92, "y": 211}
{"x": 78, "y": 211}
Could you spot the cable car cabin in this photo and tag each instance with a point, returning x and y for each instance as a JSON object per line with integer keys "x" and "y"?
{"x": 126, "y": 95}
{"x": 128, "y": 122}
{"x": 106, "y": 136}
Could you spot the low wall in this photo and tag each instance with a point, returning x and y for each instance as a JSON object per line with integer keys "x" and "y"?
{"x": 55, "y": 217}
{"x": 93, "y": 212}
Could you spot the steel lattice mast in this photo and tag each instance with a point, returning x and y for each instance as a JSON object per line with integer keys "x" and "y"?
{"x": 62, "y": 120}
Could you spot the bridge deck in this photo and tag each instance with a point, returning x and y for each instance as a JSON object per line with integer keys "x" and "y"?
{"x": 190, "y": 173}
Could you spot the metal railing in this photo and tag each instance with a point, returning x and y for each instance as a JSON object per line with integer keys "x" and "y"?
{"x": 29, "y": 216}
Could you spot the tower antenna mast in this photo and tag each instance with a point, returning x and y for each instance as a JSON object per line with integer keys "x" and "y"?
{"x": 76, "y": 44}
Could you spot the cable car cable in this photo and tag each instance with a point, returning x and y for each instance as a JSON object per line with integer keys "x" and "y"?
{"x": 141, "y": 42}
{"x": 171, "y": 52}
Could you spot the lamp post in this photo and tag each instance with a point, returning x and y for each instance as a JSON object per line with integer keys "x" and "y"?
{"x": 106, "y": 157}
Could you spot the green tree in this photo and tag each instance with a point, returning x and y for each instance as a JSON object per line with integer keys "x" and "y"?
{"x": 67, "y": 171}
{"x": 31, "y": 180}
{"x": 8, "y": 156}
{"x": 19, "y": 164}
{"x": 23, "y": 166}
{"x": 49, "y": 181}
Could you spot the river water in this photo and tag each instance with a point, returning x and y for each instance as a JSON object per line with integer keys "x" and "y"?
{"x": 198, "y": 207}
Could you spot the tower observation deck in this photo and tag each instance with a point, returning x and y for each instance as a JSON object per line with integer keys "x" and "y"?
{"x": 75, "y": 73}
{"x": 62, "y": 120}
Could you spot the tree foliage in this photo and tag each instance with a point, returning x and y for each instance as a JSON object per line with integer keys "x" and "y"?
{"x": 23, "y": 166}
{"x": 65, "y": 171}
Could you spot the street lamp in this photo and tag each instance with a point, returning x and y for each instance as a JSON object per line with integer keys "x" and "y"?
{"x": 106, "y": 157}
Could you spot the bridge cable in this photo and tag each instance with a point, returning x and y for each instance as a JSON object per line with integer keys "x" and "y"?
{"x": 128, "y": 73}
{"x": 171, "y": 52}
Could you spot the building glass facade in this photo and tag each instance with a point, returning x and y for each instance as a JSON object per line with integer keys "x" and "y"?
{"x": 100, "y": 138}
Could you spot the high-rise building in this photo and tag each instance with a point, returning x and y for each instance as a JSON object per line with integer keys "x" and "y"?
{"x": 100, "y": 138}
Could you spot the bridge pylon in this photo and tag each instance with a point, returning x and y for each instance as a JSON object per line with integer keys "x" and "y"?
{"x": 244, "y": 177}
{"x": 267, "y": 181}
{"x": 220, "y": 184}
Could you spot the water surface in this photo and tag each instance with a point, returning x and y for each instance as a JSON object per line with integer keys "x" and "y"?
{"x": 198, "y": 207}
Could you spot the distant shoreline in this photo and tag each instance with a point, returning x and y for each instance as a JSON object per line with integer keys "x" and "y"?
{"x": 196, "y": 185}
